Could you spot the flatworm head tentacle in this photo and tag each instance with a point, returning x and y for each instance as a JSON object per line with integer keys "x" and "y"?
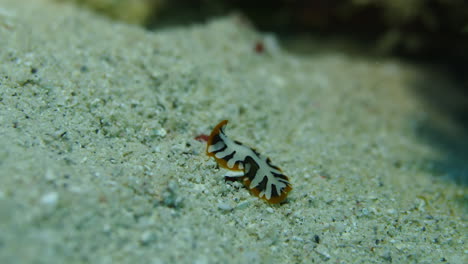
{"x": 217, "y": 147}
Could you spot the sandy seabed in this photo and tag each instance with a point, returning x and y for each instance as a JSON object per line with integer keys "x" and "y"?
{"x": 98, "y": 161}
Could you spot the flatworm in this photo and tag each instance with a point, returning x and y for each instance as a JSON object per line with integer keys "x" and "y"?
{"x": 262, "y": 178}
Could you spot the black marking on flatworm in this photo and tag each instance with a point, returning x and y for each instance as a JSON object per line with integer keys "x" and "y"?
{"x": 221, "y": 149}
{"x": 274, "y": 192}
{"x": 262, "y": 185}
{"x": 271, "y": 165}
{"x": 238, "y": 143}
{"x": 282, "y": 177}
{"x": 216, "y": 139}
{"x": 231, "y": 178}
{"x": 256, "y": 153}
{"x": 230, "y": 156}
{"x": 253, "y": 168}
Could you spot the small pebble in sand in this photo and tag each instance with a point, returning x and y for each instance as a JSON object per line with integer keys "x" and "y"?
{"x": 49, "y": 199}
{"x": 224, "y": 206}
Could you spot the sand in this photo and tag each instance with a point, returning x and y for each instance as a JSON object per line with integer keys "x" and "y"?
{"x": 99, "y": 162}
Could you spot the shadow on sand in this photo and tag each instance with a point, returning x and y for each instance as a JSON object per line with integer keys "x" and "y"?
{"x": 446, "y": 125}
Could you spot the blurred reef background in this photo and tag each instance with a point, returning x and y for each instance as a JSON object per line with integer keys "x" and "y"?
{"x": 431, "y": 30}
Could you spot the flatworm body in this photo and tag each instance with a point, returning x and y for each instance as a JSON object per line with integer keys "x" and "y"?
{"x": 263, "y": 179}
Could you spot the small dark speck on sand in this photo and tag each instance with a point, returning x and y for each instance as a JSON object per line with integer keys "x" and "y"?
{"x": 317, "y": 239}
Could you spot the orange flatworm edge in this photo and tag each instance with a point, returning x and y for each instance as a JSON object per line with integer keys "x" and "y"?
{"x": 263, "y": 179}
